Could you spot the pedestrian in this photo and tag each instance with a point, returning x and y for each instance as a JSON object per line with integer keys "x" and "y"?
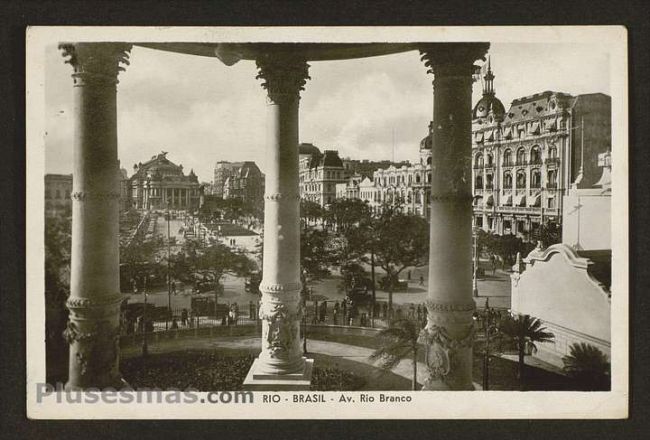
{"x": 411, "y": 311}
{"x": 408, "y": 275}
{"x": 384, "y": 310}
{"x": 344, "y": 306}
{"x": 418, "y": 312}
{"x": 174, "y": 324}
{"x": 191, "y": 319}
{"x": 335, "y": 313}
{"x": 184, "y": 317}
{"x": 421, "y": 280}
{"x": 493, "y": 263}
{"x": 323, "y": 311}
{"x": 174, "y": 287}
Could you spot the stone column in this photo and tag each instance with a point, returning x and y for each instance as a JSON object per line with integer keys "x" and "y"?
{"x": 94, "y": 302}
{"x": 281, "y": 360}
{"x": 449, "y": 331}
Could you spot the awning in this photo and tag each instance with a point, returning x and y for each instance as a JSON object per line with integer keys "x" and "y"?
{"x": 550, "y": 124}
{"x": 507, "y": 200}
{"x": 477, "y": 200}
{"x": 533, "y": 128}
{"x": 489, "y": 201}
{"x": 490, "y": 135}
{"x": 520, "y": 200}
{"x": 478, "y": 137}
{"x": 535, "y": 200}
{"x": 507, "y": 134}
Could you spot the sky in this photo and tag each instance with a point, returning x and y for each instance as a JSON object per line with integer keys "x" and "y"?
{"x": 201, "y": 111}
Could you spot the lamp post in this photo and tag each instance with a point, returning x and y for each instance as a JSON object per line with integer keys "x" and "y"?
{"x": 476, "y": 263}
{"x": 488, "y": 324}
{"x": 169, "y": 289}
{"x": 145, "y": 346}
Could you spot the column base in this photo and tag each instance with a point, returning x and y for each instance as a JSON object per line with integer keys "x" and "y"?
{"x": 300, "y": 381}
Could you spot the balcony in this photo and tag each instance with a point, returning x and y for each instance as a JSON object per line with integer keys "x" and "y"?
{"x": 552, "y": 161}
{"x": 551, "y": 186}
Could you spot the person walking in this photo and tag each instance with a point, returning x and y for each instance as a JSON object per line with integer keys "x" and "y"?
{"x": 421, "y": 280}
{"x": 184, "y": 317}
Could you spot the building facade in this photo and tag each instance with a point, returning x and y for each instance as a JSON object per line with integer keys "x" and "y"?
{"x": 222, "y": 171}
{"x": 58, "y": 188}
{"x": 525, "y": 159}
{"x": 245, "y": 182}
{"x": 319, "y": 173}
{"x": 161, "y": 184}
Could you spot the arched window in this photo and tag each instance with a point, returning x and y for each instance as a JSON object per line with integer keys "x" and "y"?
{"x": 552, "y": 152}
{"x": 478, "y": 184}
{"x": 478, "y": 160}
{"x": 489, "y": 184}
{"x": 535, "y": 179}
{"x": 429, "y": 177}
{"x": 417, "y": 178}
{"x": 521, "y": 179}
{"x": 552, "y": 179}
{"x": 507, "y": 180}
{"x": 507, "y": 158}
{"x": 535, "y": 155}
{"x": 428, "y": 161}
{"x": 521, "y": 156}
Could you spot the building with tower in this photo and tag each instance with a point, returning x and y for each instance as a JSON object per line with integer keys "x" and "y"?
{"x": 160, "y": 184}
{"x": 524, "y": 159}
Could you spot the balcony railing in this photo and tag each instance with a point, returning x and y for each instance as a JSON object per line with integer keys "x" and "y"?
{"x": 520, "y": 192}
{"x": 552, "y": 161}
{"x": 551, "y": 186}
{"x": 489, "y": 187}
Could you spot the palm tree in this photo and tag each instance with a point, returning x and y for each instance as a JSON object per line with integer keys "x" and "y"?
{"x": 525, "y": 331}
{"x": 588, "y": 365}
{"x": 400, "y": 341}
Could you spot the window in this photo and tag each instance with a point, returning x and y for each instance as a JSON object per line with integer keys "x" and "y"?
{"x": 478, "y": 161}
{"x": 489, "y": 160}
{"x": 507, "y": 158}
{"x": 429, "y": 177}
{"x": 535, "y": 155}
{"x": 417, "y": 178}
{"x": 521, "y": 157}
{"x": 521, "y": 179}
{"x": 507, "y": 180}
{"x": 428, "y": 161}
{"x": 478, "y": 184}
{"x": 58, "y": 194}
{"x": 535, "y": 179}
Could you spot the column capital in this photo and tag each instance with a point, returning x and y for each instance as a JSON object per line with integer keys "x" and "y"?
{"x": 98, "y": 63}
{"x": 452, "y": 59}
{"x": 284, "y": 76}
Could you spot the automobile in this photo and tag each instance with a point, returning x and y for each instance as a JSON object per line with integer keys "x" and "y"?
{"x": 398, "y": 286}
{"x": 252, "y": 284}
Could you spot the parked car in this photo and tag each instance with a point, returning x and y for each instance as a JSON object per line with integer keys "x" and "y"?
{"x": 398, "y": 286}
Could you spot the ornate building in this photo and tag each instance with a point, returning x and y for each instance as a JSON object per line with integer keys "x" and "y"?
{"x": 319, "y": 173}
{"x": 58, "y": 188}
{"x": 159, "y": 183}
{"x": 525, "y": 159}
{"x": 245, "y": 182}
{"x": 405, "y": 183}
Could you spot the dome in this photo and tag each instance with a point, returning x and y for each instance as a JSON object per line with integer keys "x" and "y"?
{"x": 426, "y": 143}
{"x": 331, "y": 159}
{"x": 489, "y": 104}
{"x": 307, "y": 149}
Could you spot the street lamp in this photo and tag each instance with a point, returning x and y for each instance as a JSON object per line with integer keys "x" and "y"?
{"x": 488, "y": 322}
{"x": 476, "y": 263}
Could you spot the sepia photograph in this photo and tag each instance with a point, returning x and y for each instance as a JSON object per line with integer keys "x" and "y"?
{"x": 327, "y": 222}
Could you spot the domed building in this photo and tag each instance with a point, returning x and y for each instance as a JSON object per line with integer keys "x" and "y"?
{"x": 160, "y": 183}
{"x": 526, "y": 158}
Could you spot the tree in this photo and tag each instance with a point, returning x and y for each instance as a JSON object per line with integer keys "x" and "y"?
{"x": 345, "y": 213}
{"x": 57, "y": 287}
{"x": 525, "y": 331}
{"x": 210, "y": 264}
{"x": 399, "y": 341}
{"x": 402, "y": 241}
{"x": 588, "y": 366}
{"x": 549, "y": 233}
{"x": 315, "y": 256}
{"x": 310, "y": 212}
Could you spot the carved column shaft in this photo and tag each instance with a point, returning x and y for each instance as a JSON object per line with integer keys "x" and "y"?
{"x": 280, "y": 310}
{"x": 449, "y": 330}
{"x": 94, "y": 302}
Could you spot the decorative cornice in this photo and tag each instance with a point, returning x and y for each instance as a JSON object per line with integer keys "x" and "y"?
{"x": 284, "y": 77}
{"x": 434, "y": 306}
{"x": 96, "y": 63}
{"x": 452, "y": 59}
{"x": 451, "y": 198}
{"x": 281, "y": 288}
{"x": 88, "y": 195}
{"x": 279, "y": 196}
{"x": 91, "y": 303}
